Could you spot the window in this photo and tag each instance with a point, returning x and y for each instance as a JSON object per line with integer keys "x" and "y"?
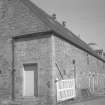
{"x": 30, "y": 79}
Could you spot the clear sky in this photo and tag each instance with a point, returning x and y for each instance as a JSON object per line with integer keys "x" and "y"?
{"x": 84, "y": 17}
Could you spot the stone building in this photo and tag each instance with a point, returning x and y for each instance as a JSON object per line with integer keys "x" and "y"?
{"x": 36, "y": 51}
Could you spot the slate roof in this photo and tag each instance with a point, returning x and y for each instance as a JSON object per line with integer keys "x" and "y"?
{"x": 59, "y": 30}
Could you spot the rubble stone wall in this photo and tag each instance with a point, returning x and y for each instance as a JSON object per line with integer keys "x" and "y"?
{"x": 88, "y": 71}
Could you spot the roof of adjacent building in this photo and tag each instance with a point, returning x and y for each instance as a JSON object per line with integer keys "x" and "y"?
{"x": 59, "y": 29}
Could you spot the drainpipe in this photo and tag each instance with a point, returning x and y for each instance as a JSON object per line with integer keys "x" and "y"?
{"x": 75, "y": 76}
{"x": 12, "y": 70}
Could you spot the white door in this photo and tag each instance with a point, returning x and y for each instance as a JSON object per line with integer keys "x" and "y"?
{"x": 30, "y": 79}
{"x": 28, "y": 86}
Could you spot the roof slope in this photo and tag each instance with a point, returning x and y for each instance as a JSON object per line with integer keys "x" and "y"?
{"x": 59, "y": 30}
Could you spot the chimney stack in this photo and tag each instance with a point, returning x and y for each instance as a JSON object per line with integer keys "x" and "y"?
{"x": 54, "y": 16}
{"x": 64, "y": 23}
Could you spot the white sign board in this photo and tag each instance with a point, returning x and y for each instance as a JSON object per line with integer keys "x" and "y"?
{"x": 65, "y": 89}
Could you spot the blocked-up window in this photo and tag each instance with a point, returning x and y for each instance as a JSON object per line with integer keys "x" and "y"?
{"x": 30, "y": 80}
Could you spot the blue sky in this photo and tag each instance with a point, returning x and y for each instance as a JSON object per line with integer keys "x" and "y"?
{"x": 84, "y": 17}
